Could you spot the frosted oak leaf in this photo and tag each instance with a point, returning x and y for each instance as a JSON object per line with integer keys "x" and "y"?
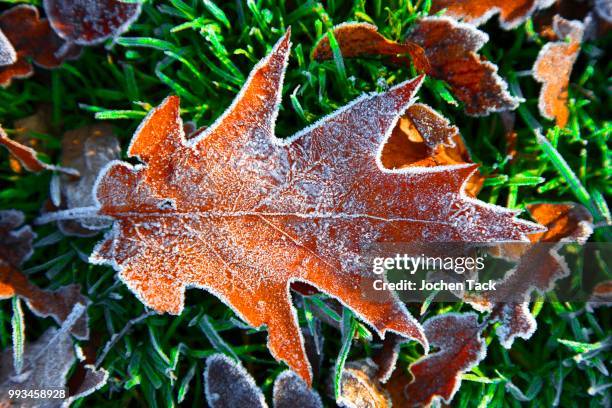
{"x": 242, "y": 214}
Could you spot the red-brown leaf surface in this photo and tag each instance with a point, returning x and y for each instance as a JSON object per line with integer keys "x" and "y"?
{"x": 33, "y": 39}
{"x": 511, "y": 12}
{"x": 451, "y": 49}
{"x": 15, "y": 248}
{"x": 363, "y": 39}
{"x": 553, "y": 68}
{"x": 91, "y": 21}
{"x": 242, "y": 214}
{"x": 438, "y": 375}
{"x": 27, "y": 156}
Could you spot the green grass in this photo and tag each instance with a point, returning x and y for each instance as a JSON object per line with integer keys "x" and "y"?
{"x": 203, "y": 53}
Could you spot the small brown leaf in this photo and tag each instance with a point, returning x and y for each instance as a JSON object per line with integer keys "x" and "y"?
{"x": 32, "y": 38}
{"x": 87, "y": 150}
{"x": 424, "y": 138}
{"x": 451, "y": 49}
{"x": 359, "y": 387}
{"x": 290, "y": 391}
{"x": 362, "y": 39}
{"x": 91, "y": 21}
{"x": 553, "y": 68}
{"x": 27, "y": 156}
{"x": 228, "y": 385}
{"x": 438, "y": 375}
{"x": 511, "y": 12}
{"x": 15, "y": 248}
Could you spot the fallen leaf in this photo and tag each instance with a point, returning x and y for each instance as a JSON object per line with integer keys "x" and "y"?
{"x": 363, "y": 39}
{"x": 47, "y": 363}
{"x": 601, "y": 295}
{"x": 27, "y": 156}
{"x": 511, "y": 13}
{"x": 16, "y": 248}
{"x": 437, "y": 376}
{"x": 451, "y": 49}
{"x": 359, "y": 387}
{"x": 424, "y": 138}
{"x": 387, "y": 356}
{"x": 26, "y": 130}
{"x": 290, "y": 391}
{"x": 553, "y": 68}
{"x": 450, "y": 54}
{"x": 8, "y": 55}
{"x": 88, "y": 150}
{"x": 242, "y": 214}
{"x": 538, "y": 267}
{"x": 228, "y": 385}
{"x": 90, "y": 22}
{"x": 32, "y": 39}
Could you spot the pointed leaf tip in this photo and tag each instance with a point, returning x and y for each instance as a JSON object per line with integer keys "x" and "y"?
{"x": 157, "y": 128}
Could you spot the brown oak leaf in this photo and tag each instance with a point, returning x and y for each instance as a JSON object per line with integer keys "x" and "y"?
{"x": 242, "y": 214}
{"x": 477, "y": 12}
{"x": 91, "y": 21}
{"x": 437, "y": 376}
{"x": 16, "y": 248}
{"x": 538, "y": 267}
{"x": 32, "y": 38}
{"x": 363, "y": 39}
{"x": 27, "y": 156}
{"x": 553, "y": 68}
{"x": 424, "y": 138}
{"x": 451, "y": 48}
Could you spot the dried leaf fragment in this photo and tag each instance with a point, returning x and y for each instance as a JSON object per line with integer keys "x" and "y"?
{"x": 273, "y": 212}
{"x": 90, "y": 22}
{"x": 461, "y": 347}
{"x": 227, "y": 384}
{"x": 359, "y": 387}
{"x": 32, "y": 38}
{"x": 451, "y": 48}
{"x": 15, "y": 248}
{"x": 290, "y": 391}
{"x": 88, "y": 150}
{"x": 424, "y": 138}
{"x": 553, "y": 68}
{"x": 511, "y": 12}
{"x": 363, "y": 39}
{"x": 27, "y": 156}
